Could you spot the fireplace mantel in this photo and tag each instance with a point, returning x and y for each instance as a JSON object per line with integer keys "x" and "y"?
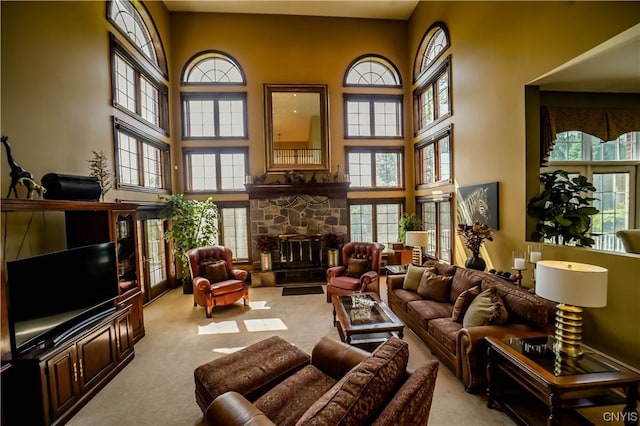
{"x": 275, "y": 190}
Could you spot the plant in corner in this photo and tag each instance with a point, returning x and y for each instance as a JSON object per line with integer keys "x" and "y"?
{"x": 408, "y": 222}
{"x": 563, "y": 209}
{"x": 194, "y": 224}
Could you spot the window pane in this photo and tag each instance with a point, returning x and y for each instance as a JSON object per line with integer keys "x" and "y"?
{"x": 387, "y": 169}
{"x": 232, "y": 171}
{"x": 200, "y": 118}
{"x": 155, "y": 251}
{"x": 150, "y": 102}
{"x": 152, "y": 166}
{"x": 358, "y": 119}
{"x": 127, "y": 159}
{"x": 125, "y": 84}
{"x": 387, "y": 216}
{"x": 568, "y": 147}
{"x": 387, "y": 118}
{"x": 360, "y": 169}
{"x": 443, "y": 95}
{"x": 620, "y": 149}
{"x": 426, "y": 101}
{"x": 216, "y": 69}
{"x": 234, "y": 229}
{"x": 130, "y": 23}
{"x": 203, "y": 172}
{"x": 429, "y": 164}
{"x": 435, "y": 44}
{"x": 445, "y": 159}
{"x": 429, "y": 225}
{"x": 231, "y": 116}
{"x": 612, "y": 200}
{"x": 372, "y": 72}
{"x": 444, "y": 223}
{"x": 361, "y": 218}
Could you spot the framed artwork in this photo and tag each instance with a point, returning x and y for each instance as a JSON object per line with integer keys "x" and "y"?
{"x": 479, "y": 203}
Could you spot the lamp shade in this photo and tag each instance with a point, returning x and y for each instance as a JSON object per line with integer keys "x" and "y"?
{"x": 572, "y": 283}
{"x": 417, "y": 238}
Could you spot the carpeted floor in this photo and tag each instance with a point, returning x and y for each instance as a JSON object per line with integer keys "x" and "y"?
{"x": 157, "y": 387}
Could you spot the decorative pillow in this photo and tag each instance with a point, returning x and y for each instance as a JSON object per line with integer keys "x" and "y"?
{"x": 434, "y": 287}
{"x": 217, "y": 271}
{"x": 356, "y": 267}
{"x": 362, "y": 392}
{"x": 462, "y": 303}
{"x": 486, "y": 308}
{"x": 414, "y": 275}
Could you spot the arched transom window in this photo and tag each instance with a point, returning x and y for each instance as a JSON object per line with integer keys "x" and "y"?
{"x": 213, "y": 68}
{"x": 130, "y": 23}
{"x": 372, "y": 71}
{"x": 434, "y": 42}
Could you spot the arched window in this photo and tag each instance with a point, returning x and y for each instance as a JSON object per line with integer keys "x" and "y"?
{"x": 434, "y": 43}
{"x": 372, "y": 70}
{"x": 213, "y": 68}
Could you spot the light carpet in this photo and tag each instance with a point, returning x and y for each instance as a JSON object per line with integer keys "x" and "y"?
{"x": 157, "y": 387}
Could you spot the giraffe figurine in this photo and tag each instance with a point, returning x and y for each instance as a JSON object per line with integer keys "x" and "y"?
{"x": 17, "y": 173}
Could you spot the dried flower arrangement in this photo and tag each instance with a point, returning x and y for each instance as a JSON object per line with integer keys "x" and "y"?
{"x": 266, "y": 243}
{"x": 331, "y": 240}
{"x": 474, "y": 235}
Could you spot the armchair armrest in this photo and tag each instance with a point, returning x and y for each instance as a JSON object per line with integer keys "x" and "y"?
{"x": 202, "y": 284}
{"x": 233, "y": 409}
{"x": 336, "y": 358}
{"x": 240, "y": 274}
{"x": 367, "y": 278}
{"x": 335, "y": 271}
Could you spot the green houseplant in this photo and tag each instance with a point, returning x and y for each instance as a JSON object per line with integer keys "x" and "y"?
{"x": 194, "y": 224}
{"x": 408, "y": 222}
{"x": 563, "y": 209}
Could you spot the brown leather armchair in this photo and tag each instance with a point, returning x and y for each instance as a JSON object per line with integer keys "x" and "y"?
{"x": 215, "y": 281}
{"x": 353, "y": 276}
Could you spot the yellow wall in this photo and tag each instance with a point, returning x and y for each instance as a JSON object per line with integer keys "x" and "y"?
{"x": 56, "y": 108}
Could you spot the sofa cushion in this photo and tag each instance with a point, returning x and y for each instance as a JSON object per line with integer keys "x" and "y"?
{"x": 356, "y": 267}
{"x": 522, "y": 305}
{"x": 424, "y": 310}
{"x": 402, "y": 297}
{"x": 487, "y": 308}
{"x": 217, "y": 271}
{"x": 413, "y": 276}
{"x": 462, "y": 280}
{"x": 288, "y": 400}
{"x": 445, "y": 331}
{"x": 434, "y": 287}
{"x": 462, "y": 303}
{"x": 361, "y": 393}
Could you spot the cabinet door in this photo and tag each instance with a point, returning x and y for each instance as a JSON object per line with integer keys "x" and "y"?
{"x": 124, "y": 337}
{"x": 64, "y": 388}
{"x": 96, "y": 356}
{"x": 126, "y": 238}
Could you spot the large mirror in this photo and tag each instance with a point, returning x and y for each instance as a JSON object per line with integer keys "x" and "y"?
{"x": 296, "y": 126}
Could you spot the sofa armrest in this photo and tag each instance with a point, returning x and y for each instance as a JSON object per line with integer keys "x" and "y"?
{"x": 233, "y": 409}
{"x": 240, "y": 274}
{"x": 335, "y": 271}
{"x": 395, "y": 281}
{"x": 336, "y": 358}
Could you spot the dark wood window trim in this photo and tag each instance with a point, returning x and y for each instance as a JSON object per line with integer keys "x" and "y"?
{"x": 373, "y": 151}
{"x": 436, "y": 199}
{"x": 431, "y": 81}
{"x": 140, "y": 136}
{"x": 215, "y": 97}
{"x": 201, "y": 56}
{"x": 186, "y": 152}
{"x": 372, "y": 57}
{"x": 372, "y": 100}
{"x": 419, "y": 147}
{"x": 418, "y": 72}
{"x": 374, "y": 202}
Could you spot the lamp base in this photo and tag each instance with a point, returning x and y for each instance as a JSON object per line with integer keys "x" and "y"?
{"x": 416, "y": 258}
{"x": 568, "y": 330}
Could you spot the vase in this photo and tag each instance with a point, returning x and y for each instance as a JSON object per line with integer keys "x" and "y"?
{"x": 475, "y": 262}
{"x": 332, "y": 257}
{"x": 265, "y": 261}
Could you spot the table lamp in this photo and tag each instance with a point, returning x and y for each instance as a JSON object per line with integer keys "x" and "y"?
{"x": 417, "y": 240}
{"x": 574, "y": 286}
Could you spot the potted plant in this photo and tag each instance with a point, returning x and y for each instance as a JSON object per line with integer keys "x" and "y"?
{"x": 193, "y": 224}
{"x": 266, "y": 244}
{"x": 563, "y": 209}
{"x": 408, "y": 222}
{"x": 474, "y": 236}
{"x": 331, "y": 242}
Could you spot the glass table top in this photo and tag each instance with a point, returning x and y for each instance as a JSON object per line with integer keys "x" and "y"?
{"x": 363, "y": 309}
{"x": 540, "y": 350}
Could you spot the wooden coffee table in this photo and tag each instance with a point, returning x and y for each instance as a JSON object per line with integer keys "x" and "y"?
{"x": 361, "y": 328}
{"x": 527, "y": 379}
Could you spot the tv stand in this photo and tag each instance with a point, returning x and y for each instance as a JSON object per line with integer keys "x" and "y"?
{"x": 48, "y": 387}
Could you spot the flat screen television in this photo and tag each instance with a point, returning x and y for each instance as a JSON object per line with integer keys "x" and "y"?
{"x": 51, "y": 296}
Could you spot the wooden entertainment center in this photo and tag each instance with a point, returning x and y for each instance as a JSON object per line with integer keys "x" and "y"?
{"x": 48, "y": 385}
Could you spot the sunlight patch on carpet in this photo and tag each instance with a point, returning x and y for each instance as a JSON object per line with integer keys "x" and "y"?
{"x": 265, "y": 324}
{"x": 227, "y": 351}
{"x": 259, "y": 304}
{"x": 224, "y": 327}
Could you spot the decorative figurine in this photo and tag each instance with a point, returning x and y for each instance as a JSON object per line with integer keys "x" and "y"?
{"x": 18, "y": 174}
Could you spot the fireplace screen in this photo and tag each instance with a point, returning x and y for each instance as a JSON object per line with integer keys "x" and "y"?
{"x": 299, "y": 250}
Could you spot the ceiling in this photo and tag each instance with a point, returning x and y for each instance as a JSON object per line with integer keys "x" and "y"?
{"x": 613, "y": 66}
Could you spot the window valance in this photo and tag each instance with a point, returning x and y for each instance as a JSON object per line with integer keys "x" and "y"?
{"x": 604, "y": 123}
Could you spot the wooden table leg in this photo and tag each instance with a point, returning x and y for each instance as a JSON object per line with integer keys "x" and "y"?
{"x": 490, "y": 360}
{"x": 630, "y": 412}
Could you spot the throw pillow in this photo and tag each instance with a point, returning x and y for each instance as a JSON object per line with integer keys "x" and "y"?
{"x": 217, "y": 271}
{"x": 434, "y": 287}
{"x": 462, "y": 303}
{"x": 414, "y": 275}
{"x": 356, "y": 267}
{"x": 486, "y": 308}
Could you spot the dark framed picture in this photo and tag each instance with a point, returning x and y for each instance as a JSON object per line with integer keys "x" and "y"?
{"x": 479, "y": 203}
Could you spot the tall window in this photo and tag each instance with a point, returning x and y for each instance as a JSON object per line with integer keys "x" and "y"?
{"x": 233, "y": 229}
{"x": 433, "y": 159}
{"x": 215, "y": 169}
{"x": 370, "y": 167}
{"x": 375, "y": 220}
{"x": 141, "y": 161}
{"x": 436, "y": 220}
{"x": 214, "y": 115}
{"x": 372, "y": 115}
{"x": 613, "y": 168}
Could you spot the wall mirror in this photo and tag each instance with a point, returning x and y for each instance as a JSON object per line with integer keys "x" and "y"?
{"x": 296, "y": 126}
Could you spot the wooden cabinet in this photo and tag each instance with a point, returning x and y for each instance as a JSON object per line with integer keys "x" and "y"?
{"x": 50, "y": 387}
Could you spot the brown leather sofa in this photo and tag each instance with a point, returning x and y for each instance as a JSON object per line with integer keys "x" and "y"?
{"x": 341, "y": 385}
{"x": 463, "y": 350}
{"x": 359, "y": 271}
{"x": 215, "y": 281}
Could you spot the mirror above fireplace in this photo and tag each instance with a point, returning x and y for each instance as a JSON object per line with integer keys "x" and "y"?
{"x": 296, "y": 127}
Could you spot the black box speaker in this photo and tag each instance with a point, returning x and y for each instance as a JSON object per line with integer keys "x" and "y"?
{"x": 69, "y": 187}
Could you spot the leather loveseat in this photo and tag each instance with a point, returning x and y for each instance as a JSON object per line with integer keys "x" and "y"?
{"x": 439, "y": 319}
{"x": 341, "y": 385}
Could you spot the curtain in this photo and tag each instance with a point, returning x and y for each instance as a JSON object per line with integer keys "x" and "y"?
{"x": 604, "y": 123}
